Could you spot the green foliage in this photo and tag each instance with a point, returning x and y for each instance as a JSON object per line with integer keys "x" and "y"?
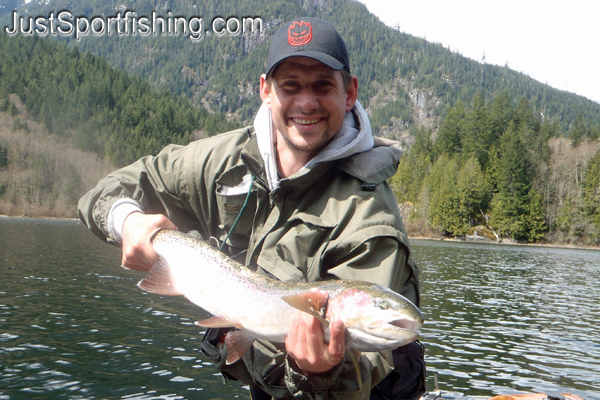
{"x": 451, "y": 132}
{"x": 443, "y": 210}
{"x": 477, "y": 137}
{"x": 473, "y": 191}
{"x": 578, "y": 130}
{"x": 80, "y": 97}
{"x": 4, "y": 104}
{"x": 484, "y": 161}
{"x": 412, "y": 172}
{"x": 458, "y": 195}
{"x": 591, "y": 190}
{"x": 12, "y": 109}
{"x": 3, "y": 157}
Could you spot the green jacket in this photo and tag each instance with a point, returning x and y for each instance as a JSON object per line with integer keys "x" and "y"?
{"x": 334, "y": 220}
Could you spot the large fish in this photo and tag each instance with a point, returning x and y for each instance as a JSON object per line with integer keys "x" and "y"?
{"x": 375, "y": 318}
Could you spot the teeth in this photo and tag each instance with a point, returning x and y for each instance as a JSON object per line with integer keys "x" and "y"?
{"x": 305, "y": 121}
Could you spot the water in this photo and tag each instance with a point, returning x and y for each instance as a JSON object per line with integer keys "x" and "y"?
{"x": 507, "y": 319}
{"x": 500, "y": 319}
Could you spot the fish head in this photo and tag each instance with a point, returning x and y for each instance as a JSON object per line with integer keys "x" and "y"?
{"x": 375, "y": 314}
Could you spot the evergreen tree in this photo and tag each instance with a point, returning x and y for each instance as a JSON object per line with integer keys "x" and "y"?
{"x": 511, "y": 205}
{"x": 443, "y": 209}
{"x": 451, "y": 132}
{"x": 578, "y": 130}
{"x": 501, "y": 114}
{"x": 474, "y": 193}
{"x": 591, "y": 190}
{"x": 3, "y": 157}
{"x": 536, "y": 221}
{"x": 477, "y": 137}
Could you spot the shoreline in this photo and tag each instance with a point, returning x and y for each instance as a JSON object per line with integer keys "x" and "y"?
{"x": 431, "y": 238}
{"x": 509, "y": 243}
{"x": 28, "y": 217}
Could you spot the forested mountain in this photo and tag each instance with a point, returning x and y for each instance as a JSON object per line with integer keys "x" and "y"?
{"x": 67, "y": 118}
{"x": 498, "y": 168}
{"x": 83, "y": 99}
{"x": 490, "y": 146}
{"x": 404, "y": 81}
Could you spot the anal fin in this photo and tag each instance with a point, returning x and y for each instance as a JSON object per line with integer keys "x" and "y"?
{"x": 218, "y": 322}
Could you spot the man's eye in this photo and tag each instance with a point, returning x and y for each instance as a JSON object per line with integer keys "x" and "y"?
{"x": 324, "y": 84}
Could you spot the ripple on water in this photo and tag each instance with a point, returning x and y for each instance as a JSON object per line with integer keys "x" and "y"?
{"x": 500, "y": 319}
{"x": 533, "y": 315}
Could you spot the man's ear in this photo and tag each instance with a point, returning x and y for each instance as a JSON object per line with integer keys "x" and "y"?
{"x": 351, "y": 93}
{"x": 265, "y": 90}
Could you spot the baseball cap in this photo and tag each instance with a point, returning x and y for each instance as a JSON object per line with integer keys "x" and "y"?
{"x": 308, "y": 37}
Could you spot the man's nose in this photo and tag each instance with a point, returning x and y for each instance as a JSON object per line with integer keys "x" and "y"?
{"x": 307, "y": 100}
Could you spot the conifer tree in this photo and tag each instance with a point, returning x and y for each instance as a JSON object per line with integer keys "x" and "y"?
{"x": 451, "y": 132}
{"x": 578, "y": 130}
{"x": 477, "y": 137}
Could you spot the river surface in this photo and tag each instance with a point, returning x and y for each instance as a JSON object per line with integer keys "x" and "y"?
{"x": 73, "y": 325}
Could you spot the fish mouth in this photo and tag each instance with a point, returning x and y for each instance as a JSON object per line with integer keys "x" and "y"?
{"x": 405, "y": 324}
{"x": 400, "y": 324}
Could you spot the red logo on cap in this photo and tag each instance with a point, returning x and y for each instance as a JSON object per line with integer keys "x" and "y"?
{"x": 299, "y": 33}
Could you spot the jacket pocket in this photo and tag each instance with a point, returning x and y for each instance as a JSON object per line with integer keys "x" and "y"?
{"x": 299, "y": 246}
{"x": 236, "y": 201}
{"x": 230, "y": 207}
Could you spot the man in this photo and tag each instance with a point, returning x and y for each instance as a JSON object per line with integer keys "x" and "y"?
{"x": 301, "y": 195}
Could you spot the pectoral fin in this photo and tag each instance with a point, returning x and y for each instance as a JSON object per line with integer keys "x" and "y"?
{"x": 312, "y": 302}
{"x": 159, "y": 280}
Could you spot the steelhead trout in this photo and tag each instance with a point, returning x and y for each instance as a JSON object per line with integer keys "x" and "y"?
{"x": 376, "y": 318}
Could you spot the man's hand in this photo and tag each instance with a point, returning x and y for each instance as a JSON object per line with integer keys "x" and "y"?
{"x": 138, "y": 253}
{"x": 306, "y": 345}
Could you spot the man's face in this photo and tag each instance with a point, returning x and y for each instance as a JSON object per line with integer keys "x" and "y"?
{"x": 308, "y": 103}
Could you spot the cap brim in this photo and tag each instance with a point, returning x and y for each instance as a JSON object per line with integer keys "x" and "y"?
{"x": 326, "y": 59}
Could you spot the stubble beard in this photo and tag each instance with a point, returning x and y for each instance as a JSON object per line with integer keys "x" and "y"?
{"x": 307, "y": 147}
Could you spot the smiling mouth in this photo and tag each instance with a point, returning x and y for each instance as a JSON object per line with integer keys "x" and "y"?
{"x": 306, "y": 121}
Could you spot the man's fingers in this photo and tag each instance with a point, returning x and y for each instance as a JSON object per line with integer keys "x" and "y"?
{"x": 314, "y": 333}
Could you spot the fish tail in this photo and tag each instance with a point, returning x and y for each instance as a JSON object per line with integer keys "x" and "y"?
{"x": 159, "y": 280}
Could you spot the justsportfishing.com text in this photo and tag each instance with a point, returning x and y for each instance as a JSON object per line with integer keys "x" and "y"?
{"x": 129, "y": 23}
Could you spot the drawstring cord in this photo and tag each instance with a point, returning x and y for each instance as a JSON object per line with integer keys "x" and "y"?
{"x": 239, "y": 215}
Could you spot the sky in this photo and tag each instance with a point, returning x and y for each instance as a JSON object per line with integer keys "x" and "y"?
{"x": 556, "y": 42}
